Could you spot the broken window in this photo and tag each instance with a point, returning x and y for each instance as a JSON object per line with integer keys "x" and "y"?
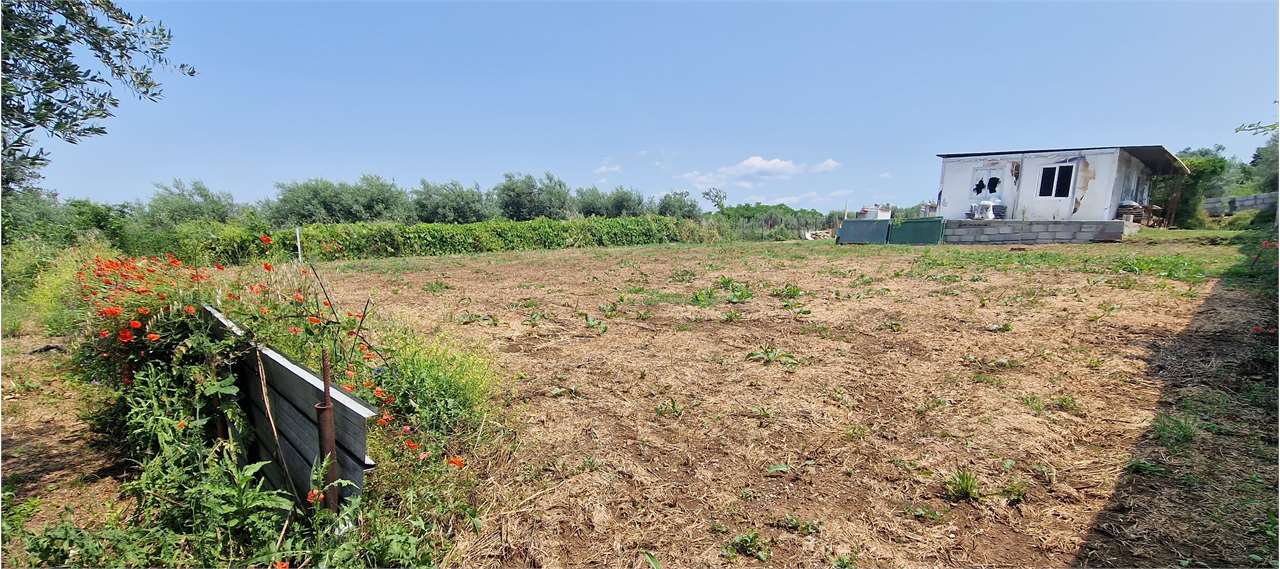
{"x": 1055, "y": 181}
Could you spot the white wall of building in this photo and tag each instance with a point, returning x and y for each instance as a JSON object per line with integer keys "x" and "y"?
{"x": 1092, "y": 196}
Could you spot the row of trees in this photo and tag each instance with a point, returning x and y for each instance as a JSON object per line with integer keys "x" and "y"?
{"x": 139, "y": 227}
{"x": 518, "y": 197}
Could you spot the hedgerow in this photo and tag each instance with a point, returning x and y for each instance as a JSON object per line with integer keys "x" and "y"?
{"x": 195, "y": 499}
{"x": 214, "y": 242}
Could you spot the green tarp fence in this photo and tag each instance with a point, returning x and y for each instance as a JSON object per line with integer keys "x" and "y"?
{"x": 922, "y": 231}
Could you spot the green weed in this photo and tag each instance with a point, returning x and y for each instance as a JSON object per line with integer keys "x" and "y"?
{"x": 435, "y": 287}
{"x": 1015, "y": 491}
{"x": 749, "y": 544}
{"x": 771, "y": 355}
{"x": 682, "y": 276}
{"x": 797, "y": 525}
{"x": 787, "y": 291}
{"x": 704, "y": 298}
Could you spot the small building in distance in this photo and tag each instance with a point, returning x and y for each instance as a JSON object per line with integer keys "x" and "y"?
{"x": 875, "y": 211}
{"x": 1062, "y": 184}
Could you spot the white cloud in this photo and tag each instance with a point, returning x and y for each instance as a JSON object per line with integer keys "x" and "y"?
{"x": 886, "y": 175}
{"x": 840, "y": 193}
{"x": 825, "y": 166}
{"x": 606, "y": 168}
{"x": 754, "y": 170}
{"x": 807, "y": 196}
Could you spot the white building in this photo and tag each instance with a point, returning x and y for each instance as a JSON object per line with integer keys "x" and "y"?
{"x": 1080, "y": 184}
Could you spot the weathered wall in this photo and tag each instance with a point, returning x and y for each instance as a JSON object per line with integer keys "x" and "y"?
{"x": 1091, "y": 193}
{"x": 975, "y": 232}
{"x": 1133, "y": 182}
{"x": 1228, "y": 206}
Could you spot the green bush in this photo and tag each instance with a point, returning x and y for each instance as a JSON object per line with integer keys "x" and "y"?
{"x": 53, "y": 298}
{"x": 207, "y": 242}
{"x": 1240, "y": 220}
{"x": 23, "y": 261}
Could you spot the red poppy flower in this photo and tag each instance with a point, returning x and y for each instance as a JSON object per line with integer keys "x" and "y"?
{"x": 349, "y": 387}
{"x": 377, "y": 391}
{"x": 125, "y": 335}
{"x": 326, "y": 303}
{"x": 457, "y": 462}
{"x": 412, "y": 445}
{"x": 104, "y": 333}
{"x": 233, "y": 296}
{"x": 295, "y": 330}
{"x": 266, "y": 267}
{"x": 153, "y": 336}
{"x": 314, "y": 320}
{"x": 111, "y": 311}
{"x": 352, "y": 373}
{"x": 182, "y": 424}
{"x": 219, "y": 267}
{"x": 191, "y": 310}
{"x": 315, "y": 496}
{"x": 263, "y": 310}
{"x": 282, "y": 565}
{"x": 144, "y": 310}
{"x": 297, "y": 296}
{"x": 135, "y": 324}
{"x": 265, "y": 239}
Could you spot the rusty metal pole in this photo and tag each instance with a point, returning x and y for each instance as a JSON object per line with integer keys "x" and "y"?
{"x": 328, "y": 437}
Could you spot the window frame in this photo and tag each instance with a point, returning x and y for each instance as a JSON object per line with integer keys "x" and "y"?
{"x": 1057, "y": 171}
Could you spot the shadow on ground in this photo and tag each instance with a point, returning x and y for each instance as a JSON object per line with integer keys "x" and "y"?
{"x": 1200, "y": 487}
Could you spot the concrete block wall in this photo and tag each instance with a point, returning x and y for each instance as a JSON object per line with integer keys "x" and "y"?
{"x": 980, "y": 232}
{"x": 1228, "y": 206}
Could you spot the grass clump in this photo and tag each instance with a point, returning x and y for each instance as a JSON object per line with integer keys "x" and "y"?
{"x": 963, "y": 486}
{"x": 1067, "y": 404}
{"x": 1174, "y": 432}
{"x": 1143, "y": 467}
{"x": 1035, "y": 403}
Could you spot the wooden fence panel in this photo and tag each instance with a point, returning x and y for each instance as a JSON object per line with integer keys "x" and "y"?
{"x": 293, "y": 391}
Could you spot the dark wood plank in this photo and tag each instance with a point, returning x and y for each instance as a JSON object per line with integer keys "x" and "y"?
{"x": 302, "y": 434}
{"x": 299, "y": 462}
{"x": 351, "y": 423}
{"x": 304, "y": 388}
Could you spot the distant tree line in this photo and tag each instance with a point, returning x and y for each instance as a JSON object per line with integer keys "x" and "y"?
{"x": 37, "y": 213}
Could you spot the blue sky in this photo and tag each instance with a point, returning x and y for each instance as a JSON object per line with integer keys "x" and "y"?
{"x": 807, "y": 104}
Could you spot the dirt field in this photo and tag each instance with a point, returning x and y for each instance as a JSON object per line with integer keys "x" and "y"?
{"x": 1110, "y": 418}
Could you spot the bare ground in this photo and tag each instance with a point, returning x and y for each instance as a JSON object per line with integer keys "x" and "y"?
{"x": 652, "y": 431}
{"x": 50, "y": 453}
